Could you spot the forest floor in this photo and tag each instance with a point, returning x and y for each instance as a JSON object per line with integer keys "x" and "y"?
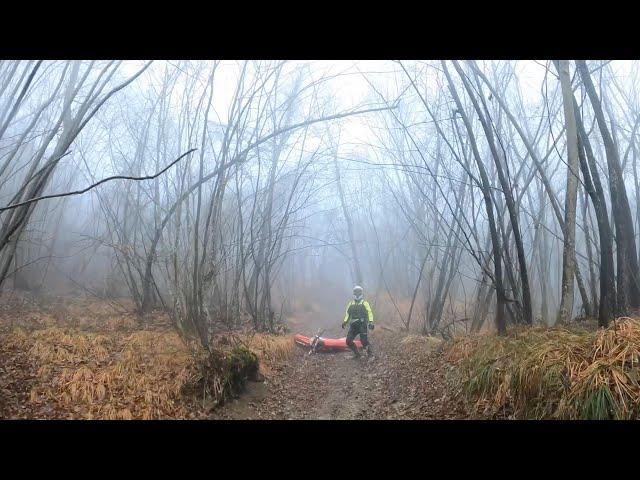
{"x": 406, "y": 379}
{"x": 80, "y": 358}
{"x": 75, "y": 357}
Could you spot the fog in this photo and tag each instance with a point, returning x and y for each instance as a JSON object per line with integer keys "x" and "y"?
{"x": 305, "y": 178}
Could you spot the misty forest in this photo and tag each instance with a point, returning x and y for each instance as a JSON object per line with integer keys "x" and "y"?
{"x": 182, "y": 239}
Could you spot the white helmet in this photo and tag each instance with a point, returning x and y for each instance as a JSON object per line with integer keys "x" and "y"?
{"x": 357, "y": 292}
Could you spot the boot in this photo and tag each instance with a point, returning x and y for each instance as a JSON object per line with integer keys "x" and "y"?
{"x": 356, "y": 353}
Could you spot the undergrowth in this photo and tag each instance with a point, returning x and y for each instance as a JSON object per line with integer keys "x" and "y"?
{"x": 552, "y": 373}
{"x": 142, "y": 374}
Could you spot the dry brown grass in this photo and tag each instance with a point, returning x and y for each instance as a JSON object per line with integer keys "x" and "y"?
{"x": 418, "y": 347}
{"x": 145, "y": 374}
{"x": 424, "y": 341}
{"x": 91, "y": 360}
{"x": 88, "y": 375}
{"x": 564, "y": 373}
{"x": 271, "y": 348}
{"x": 85, "y": 313}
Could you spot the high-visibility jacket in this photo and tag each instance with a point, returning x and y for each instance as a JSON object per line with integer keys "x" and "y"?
{"x": 358, "y": 310}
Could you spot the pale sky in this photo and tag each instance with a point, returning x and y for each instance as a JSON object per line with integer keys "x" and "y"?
{"x": 351, "y": 89}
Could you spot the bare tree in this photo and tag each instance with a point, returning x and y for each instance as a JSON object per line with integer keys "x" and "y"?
{"x": 568, "y": 253}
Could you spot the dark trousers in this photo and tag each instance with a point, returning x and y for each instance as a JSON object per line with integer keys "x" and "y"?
{"x": 355, "y": 329}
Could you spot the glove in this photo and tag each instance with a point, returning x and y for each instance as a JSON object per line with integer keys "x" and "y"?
{"x": 371, "y": 326}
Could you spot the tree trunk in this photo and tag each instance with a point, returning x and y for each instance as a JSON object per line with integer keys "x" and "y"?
{"x": 486, "y": 194}
{"x": 627, "y": 258}
{"x": 565, "y": 313}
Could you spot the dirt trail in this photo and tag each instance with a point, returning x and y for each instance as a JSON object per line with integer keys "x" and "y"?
{"x": 405, "y": 380}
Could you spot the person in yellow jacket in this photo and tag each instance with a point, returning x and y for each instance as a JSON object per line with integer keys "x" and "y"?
{"x": 359, "y": 317}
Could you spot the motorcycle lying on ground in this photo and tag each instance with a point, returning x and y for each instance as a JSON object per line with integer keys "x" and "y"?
{"x": 320, "y": 344}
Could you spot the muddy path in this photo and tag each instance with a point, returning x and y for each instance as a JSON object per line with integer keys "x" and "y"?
{"x": 405, "y": 380}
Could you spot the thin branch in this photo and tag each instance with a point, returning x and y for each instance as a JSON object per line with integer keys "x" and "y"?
{"x": 104, "y": 180}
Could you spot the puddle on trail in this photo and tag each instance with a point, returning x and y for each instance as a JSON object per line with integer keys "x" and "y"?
{"x": 244, "y": 406}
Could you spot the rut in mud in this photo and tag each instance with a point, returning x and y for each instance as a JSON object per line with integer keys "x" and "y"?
{"x": 405, "y": 380}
